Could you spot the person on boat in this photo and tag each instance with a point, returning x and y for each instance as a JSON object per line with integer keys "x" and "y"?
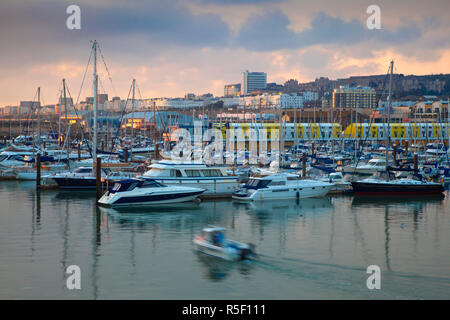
{"x": 220, "y": 238}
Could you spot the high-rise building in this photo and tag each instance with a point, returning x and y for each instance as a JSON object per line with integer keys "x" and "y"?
{"x": 354, "y": 97}
{"x": 253, "y": 81}
{"x": 232, "y": 90}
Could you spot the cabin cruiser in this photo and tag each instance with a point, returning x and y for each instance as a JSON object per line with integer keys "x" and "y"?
{"x": 281, "y": 186}
{"x": 214, "y": 243}
{"x": 338, "y": 181}
{"x": 371, "y": 167}
{"x": 214, "y": 179}
{"x": 30, "y": 173}
{"x": 385, "y": 182}
{"x": 141, "y": 192}
{"x": 85, "y": 178}
{"x": 12, "y": 159}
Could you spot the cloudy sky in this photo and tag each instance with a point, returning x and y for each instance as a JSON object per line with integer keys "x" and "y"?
{"x": 173, "y": 47}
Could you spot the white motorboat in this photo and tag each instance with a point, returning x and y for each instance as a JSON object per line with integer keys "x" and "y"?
{"x": 13, "y": 158}
{"x": 214, "y": 243}
{"x": 214, "y": 179}
{"x": 281, "y": 186}
{"x": 370, "y": 167}
{"x": 29, "y": 173}
{"x": 139, "y": 192}
{"x": 338, "y": 181}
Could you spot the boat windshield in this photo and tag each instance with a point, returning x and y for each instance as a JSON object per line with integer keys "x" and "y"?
{"x": 151, "y": 184}
{"x": 257, "y": 184}
{"x": 124, "y": 186}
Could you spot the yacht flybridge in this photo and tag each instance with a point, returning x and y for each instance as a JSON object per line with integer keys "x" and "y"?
{"x": 281, "y": 186}
{"x": 137, "y": 192}
{"x": 214, "y": 179}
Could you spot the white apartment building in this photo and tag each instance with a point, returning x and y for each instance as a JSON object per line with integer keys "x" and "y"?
{"x": 282, "y": 100}
{"x": 253, "y": 81}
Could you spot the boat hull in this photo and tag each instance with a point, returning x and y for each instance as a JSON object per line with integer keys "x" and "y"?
{"x": 214, "y": 187}
{"x": 388, "y": 188}
{"x": 148, "y": 200}
{"x": 77, "y": 183}
{"x": 285, "y": 193}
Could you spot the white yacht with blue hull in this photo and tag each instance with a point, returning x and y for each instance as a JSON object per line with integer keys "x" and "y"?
{"x": 137, "y": 192}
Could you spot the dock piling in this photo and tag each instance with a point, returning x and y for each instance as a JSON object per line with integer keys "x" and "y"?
{"x": 98, "y": 168}
{"x": 303, "y": 165}
{"x": 38, "y": 171}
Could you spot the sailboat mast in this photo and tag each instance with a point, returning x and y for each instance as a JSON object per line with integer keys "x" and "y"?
{"x": 94, "y": 154}
{"x": 39, "y": 118}
{"x": 132, "y": 113}
{"x": 389, "y": 117}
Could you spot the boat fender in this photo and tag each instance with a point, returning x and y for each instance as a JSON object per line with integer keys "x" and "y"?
{"x": 197, "y": 200}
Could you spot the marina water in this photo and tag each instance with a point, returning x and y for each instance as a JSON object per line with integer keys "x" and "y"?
{"x": 311, "y": 249}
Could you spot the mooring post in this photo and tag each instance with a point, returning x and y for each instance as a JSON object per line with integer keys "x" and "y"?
{"x": 38, "y": 171}
{"x": 394, "y": 153}
{"x": 312, "y": 149}
{"x": 79, "y": 151}
{"x": 304, "y": 165}
{"x": 125, "y": 154}
{"x": 98, "y": 168}
{"x": 416, "y": 164}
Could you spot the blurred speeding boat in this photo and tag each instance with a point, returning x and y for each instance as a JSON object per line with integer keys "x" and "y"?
{"x": 214, "y": 243}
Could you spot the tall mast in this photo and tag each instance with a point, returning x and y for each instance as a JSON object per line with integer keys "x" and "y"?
{"x": 448, "y": 127}
{"x": 59, "y": 120}
{"x": 94, "y": 154}
{"x": 65, "y": 108}
{"x": 389, "y": 116}
{"x": 39, "y": 118}
{"x": 65, "y": 103}
{"x": 132, "y": 112}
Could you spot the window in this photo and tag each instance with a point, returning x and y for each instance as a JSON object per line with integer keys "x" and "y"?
{"x": 278, "y": 183}
{"x": 212, "y": 173}
{"x": 151, "y": 184}
{"x": 192, "y": 173}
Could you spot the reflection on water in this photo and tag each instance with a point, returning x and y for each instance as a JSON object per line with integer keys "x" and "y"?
{"x": 217, "y": 270}
{"x": 312, "y": 248}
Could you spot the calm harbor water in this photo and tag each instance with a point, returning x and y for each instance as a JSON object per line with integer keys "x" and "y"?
{"x": 314, "y": 249}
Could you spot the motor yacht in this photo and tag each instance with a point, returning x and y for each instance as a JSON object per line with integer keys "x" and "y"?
{"x": 141, "y": 192}
{"x": 214, "y": 179}
{"x": 281, "y": 186}
{"x": 370, "y": 167}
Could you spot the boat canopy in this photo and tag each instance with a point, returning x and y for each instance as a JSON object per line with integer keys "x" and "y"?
{"x": 130, "y": 184}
